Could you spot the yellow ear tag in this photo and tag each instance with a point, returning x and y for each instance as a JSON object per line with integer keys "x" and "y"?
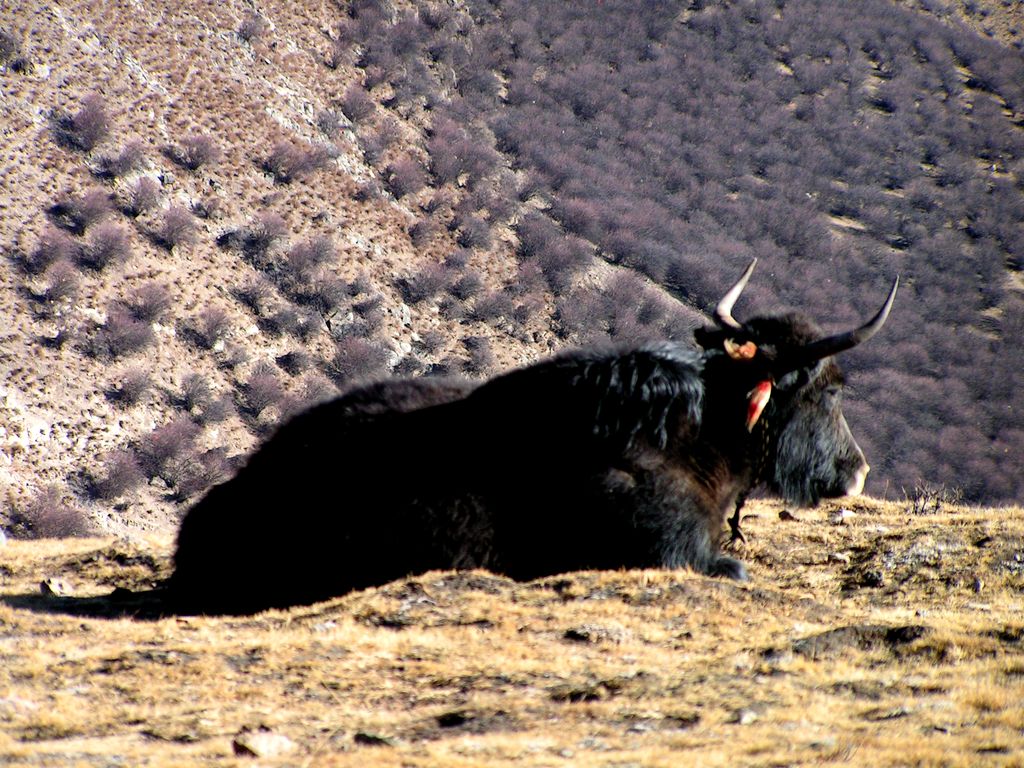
{"x": 744, "y": 351}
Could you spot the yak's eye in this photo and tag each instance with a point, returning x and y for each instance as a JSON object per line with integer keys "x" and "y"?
{"x": 833, "y": 392}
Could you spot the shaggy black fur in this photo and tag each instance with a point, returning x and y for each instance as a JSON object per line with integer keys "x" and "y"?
{"x": 595, "y": 459}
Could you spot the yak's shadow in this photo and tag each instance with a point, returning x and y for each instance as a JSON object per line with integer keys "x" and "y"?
{"x": 146, "y": 605}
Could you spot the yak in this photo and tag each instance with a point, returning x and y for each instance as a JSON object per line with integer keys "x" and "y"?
{"x": 622, "y": 457}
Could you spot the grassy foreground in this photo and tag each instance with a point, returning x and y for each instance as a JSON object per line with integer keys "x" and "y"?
{"x": 867, "y": 636}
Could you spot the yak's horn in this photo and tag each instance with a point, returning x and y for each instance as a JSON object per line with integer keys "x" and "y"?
{"x": 723, "y": 312}
{"x": 833, "y": 345}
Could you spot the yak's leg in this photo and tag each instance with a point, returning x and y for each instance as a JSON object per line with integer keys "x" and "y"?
{"x": 734, "y": 521}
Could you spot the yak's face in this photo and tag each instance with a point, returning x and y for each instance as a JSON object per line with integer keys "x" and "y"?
{"x": 801, "y": 445}
{"x": 815, "y": 453}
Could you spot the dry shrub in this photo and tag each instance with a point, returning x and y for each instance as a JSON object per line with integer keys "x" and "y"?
{"x": 304, "y": 257}
{"x": 76, "y": 213}
{"x": 356, "y": 359}
{"x": 289, "y": 160}
{"x": 194, "y": 151}
{"x": 48, "y": 516}
{"x": 474, "y": 232}
{"x": 85, "y": 129}
{"x": 405, "y": 176}
{"x": 107, "y": 246}
{"x": 252, "y": 27}
{"x": 162, "y": 451}
{"x": 210, "y": 326}
{"x": 62, "y": 283}
{"x": 430, "y": 341}
{"x": 122, "y": 474}
{"x": 196, "y": 392}
{"x": 121, "y": 335}
{"x": 262, "y": 390}
{"x": 53, "y": 246}
{"x": 265, "y": 231}
{"x": 467, "y": 286}
{"x": 178, "y": 227}
{"x": 491, "y": 306}
{"x": 257, "y": 294}
{"x": 131, "y": 157}
{"x": 198, "y": 473}
{"x": 480, "y": 356}
{"x": 133, "y": 385}
{"x": 356, "y": 103}
{"x": 368, "y": 191}
{"x": 294, "y": 362}
{"x": 329, "y": 122}
{"x": 150, "y": 302}
{"x": 142, "y": 196}
{"x": 10, "y": 47}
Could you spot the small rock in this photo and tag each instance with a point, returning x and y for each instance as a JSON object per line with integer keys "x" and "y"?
{"x": 839, "y": 557}
{"x": 54, "y": 587}
{"x": 3, "y": 537}
{"x": 12, "y": 705}
{"x": 787, "y": 515}
{"x": 840, "y": 516}
{"x": 745, "y": 716}
{"x": 979, "y": 585}
{"x": 262, "y": 743}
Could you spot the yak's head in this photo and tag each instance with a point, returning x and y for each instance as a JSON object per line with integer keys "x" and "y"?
{"x": 778, "y": 381}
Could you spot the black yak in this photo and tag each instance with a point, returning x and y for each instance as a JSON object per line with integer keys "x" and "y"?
{"x": 603, "y": 459}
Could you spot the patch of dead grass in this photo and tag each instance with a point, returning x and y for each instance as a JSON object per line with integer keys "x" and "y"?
{"x": 645, "y": 668}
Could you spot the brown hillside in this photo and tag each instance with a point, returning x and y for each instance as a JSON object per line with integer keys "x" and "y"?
{"x": 141, "y": 361}
{"x": 166, "y": 72}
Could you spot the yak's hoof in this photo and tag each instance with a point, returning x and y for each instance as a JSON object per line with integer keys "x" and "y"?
{"x": 729, "y": 568}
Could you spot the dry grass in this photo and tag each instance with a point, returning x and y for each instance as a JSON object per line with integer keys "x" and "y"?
{"x": 846, "y": 647}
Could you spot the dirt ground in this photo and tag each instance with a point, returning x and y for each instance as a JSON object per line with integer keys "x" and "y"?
{"x": 868, "y": 635}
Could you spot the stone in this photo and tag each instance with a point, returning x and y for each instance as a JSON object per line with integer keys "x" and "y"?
{"x": 262, "y": 743}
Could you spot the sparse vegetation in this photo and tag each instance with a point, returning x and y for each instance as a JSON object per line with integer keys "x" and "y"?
{"x": 47, "y": 515}
{"x": 176, "y": 228}
{"x": 195, "y": 151}
{"x": 142, "y": 196}
{"x": 209, "y": 327}
{"x": 86, "y": 128}
{"x": 131, "y": 386}
{"x": 803, "y": 147}
{"x": 76, "y": 213}
{"x": 120, "y": 335}
{"x": 289, "y": 160}
{"x": 107, "y": 246}
{"x": 150, "y": 302}
{"x": 132, "y": 157}
{"x": 252, "y": 27}
{"x": 122, "y": 474}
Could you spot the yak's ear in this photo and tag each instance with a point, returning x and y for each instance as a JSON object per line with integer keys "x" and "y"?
{"x": 632, "y": 395}
{"x": 737, "y": 351}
